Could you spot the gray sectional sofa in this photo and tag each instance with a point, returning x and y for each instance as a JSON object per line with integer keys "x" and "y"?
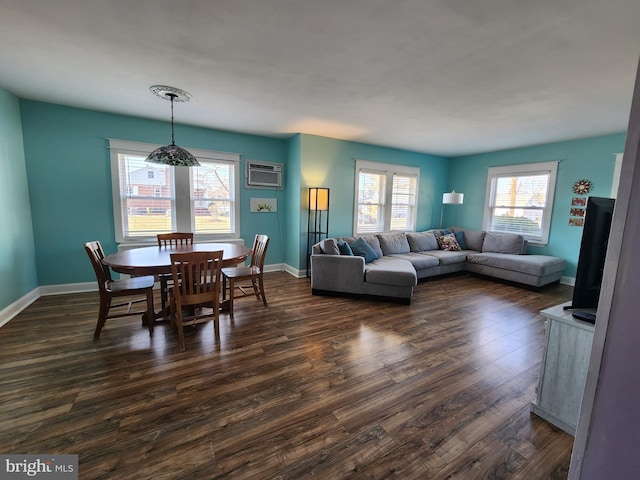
{"x": 389, "y": 265}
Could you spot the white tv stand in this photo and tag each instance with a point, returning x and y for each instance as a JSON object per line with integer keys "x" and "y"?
{"x": 564, "y": 368}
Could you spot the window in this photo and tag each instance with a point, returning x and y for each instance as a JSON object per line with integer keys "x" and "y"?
{"x": 386, "y": 197}
{"x": 520, "y": 200}
{"x": 149, "y": 198}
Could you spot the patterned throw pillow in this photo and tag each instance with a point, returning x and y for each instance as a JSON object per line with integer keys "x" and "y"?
{"x": 449, "y": 243}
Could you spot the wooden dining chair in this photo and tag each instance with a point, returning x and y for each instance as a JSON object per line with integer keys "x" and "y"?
{"x": 196, "y": 283}
{"x": 110, "y": 288}
{"x": 254, "y": 272}
{"x": 174, "y": 239}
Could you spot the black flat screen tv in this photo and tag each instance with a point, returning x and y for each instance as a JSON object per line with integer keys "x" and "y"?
{"x": 593, "y": 250}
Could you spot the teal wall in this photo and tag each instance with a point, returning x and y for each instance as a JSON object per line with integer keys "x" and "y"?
{"x": 56, "y": 187}
{"x": 327, "y": 162}
{"x": 292, "y": 194}
{"x": 17, "y": 251}
{"x": 69, "y": 178}
{"x": 591, "y": 158}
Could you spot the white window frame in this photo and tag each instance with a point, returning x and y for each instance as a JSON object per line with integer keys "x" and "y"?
{"x": 183, "y": 211}
{"x": 525, "y": 169}
{"x": 388, "y": 170}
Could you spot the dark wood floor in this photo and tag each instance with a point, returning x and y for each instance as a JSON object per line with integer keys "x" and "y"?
{"x": 309, "y": 386}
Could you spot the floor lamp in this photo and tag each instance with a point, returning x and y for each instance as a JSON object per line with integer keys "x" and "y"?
{"x": 317, "y": 223}
{"x": 452, "y": 198}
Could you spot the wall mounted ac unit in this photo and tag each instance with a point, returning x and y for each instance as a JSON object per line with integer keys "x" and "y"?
{"x": 264, "y": 175}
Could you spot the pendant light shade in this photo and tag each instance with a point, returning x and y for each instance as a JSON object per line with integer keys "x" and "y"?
{"x": 172, "y": 155}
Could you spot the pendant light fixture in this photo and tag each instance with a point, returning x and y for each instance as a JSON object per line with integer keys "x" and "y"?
{"x": 172, "y": 155}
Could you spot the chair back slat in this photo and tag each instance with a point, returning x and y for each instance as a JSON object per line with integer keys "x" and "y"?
{"x": 175, "y": 239}
{"x": 96, "y": 255}
{"x": 260, "y": 244}
{"x": 196, "y": 276}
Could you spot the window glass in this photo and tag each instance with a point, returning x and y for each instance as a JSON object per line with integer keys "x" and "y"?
{"x": 386, "y": 197}
{"x": 403, "y": 202}
{"x": 149, "y": 198}
{"x": 371, "y": 191}
{"x": 212, "y": 197}
{"x": 520, "y": 200}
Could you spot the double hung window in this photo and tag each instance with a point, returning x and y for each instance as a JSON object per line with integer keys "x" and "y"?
{"x": 149, "y": 198}
{"x": 386, "y": 197}
{"x": 520, "y": 200}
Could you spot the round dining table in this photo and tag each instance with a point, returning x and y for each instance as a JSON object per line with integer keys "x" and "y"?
{"x": 156, "y": 260}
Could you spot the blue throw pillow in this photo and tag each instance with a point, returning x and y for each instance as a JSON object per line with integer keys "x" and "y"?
{"x": 363, "y": 249}
{"x": 460, "y": 239}
{"x": 344, "y": 248}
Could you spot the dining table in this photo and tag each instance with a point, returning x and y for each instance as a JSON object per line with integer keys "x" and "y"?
{"x": 156, "y": 260}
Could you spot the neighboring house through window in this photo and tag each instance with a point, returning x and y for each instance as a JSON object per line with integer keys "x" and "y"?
{"x": 520, "y": 200}
{"x": 149, "y": 198}
{"x": 386, "y": 197}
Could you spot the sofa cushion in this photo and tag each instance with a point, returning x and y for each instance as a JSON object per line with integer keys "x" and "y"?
{"x": 538, "y": 265}
{"x": 344, "y": 248}
{"x": 361, "y": 248}
{"x": 393, "y": 243}
{"x": 448, "y": 257}
{"x": 448, "y": 242}
{"x": 509, "y": 243}
{"x": 391, "y": 271}
{"x": 420, "y": 261}
{"x": 473, "y": 238}
{"x": 422, "y": 242}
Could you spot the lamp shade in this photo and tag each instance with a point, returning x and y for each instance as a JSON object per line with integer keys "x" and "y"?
{"x": 453, "y": 198}
{"x": 319, "y": 199}
{"x": 174, "y": 156}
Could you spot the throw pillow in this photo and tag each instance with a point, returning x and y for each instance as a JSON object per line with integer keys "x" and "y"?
{"x": 344, "y": 248}
{"x": 363, "y": 249}
{"x": 448, "y": 242}
{"x": 460, "y": 239}
{"x": 374, "y": 243}
{"x": 330, "y": 246}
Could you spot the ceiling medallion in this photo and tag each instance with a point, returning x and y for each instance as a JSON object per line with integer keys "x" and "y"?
{"x": 163, "y": 91}
{"x": 582, "y": 187}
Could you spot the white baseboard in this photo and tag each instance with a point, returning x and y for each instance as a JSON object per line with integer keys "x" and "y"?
{"x": 295, "y": 272}
{"x": 16, "y": 307}
{"x": 568, "y": 281}
{"x": 47, "y": 290}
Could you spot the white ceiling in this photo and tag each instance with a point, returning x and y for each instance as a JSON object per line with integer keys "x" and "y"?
{"x": 446, "y": 77}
